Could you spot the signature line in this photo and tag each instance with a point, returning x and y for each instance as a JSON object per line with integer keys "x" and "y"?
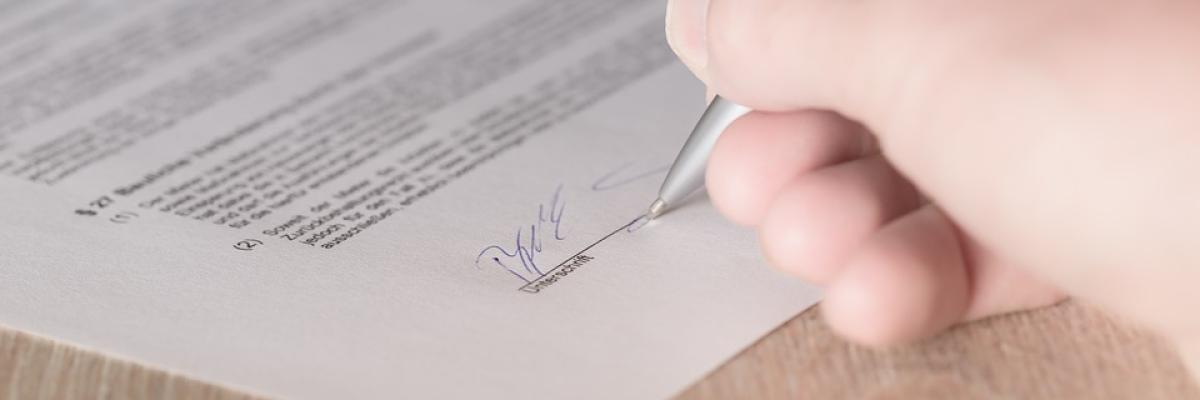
{"x": 585, "y": 250}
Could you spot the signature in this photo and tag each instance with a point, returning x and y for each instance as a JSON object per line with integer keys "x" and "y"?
{"x": 520, "y": 256}
{"x": 625, "y": 175}
{"x": 638, "y": 223}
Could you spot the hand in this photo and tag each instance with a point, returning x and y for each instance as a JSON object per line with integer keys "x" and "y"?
{"x": 932, "y": 162}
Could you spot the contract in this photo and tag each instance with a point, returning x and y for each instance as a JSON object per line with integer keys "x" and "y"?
{"x": 368, "y": 198}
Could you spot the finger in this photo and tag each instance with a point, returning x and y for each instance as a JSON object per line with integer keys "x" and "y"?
{"x": 786, "y": 54}
{"x": 918, "y": 276}
{"x": 819, "y": 219}
{"x": 999, "y": 287}
{"x": 908, "y": 281}
{"x": 686, "y": 32}
{"x": 762, "y": 152}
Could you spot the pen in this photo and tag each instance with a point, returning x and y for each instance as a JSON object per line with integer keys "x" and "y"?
{"x": 687, "y": 173}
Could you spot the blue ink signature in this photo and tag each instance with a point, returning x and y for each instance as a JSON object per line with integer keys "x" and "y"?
{"x": 529, "y": 242}
{"x": 621, "y": 177}
{"x": 637, "y": 224}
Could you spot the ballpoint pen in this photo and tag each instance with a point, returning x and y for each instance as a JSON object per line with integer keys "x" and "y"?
{"x": 687, "y": 173}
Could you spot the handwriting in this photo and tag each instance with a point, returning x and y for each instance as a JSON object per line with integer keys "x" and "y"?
{"x": 637, "y": 224}
{"x": 520, "y": 257}
{"x": 625, "y": 175}
{"x": 566, "y": 268}
{"x": 529, "y": 242}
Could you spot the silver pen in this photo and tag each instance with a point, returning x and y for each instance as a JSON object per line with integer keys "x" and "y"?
{"x": 687, "y": 173}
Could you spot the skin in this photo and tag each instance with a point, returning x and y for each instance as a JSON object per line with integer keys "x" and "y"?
{"x": 932, "y": 162}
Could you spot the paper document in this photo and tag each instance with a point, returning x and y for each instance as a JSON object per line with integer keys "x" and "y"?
{"x": 368, "y": 198}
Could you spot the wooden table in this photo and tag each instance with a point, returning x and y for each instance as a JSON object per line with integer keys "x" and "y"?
{"x": 1064, "y": 352}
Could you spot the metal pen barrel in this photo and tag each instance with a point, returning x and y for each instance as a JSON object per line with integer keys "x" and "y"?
{"x": 687, "y": 173}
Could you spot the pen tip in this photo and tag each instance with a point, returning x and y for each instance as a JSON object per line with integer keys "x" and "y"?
{"x": 657, "y": 209}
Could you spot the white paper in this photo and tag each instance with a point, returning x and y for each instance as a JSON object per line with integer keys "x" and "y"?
{"x": 368, "y": 198}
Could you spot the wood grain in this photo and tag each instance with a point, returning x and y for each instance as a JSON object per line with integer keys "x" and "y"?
{"x": 1063, "y": 352}
{"x": 37, "y": 368}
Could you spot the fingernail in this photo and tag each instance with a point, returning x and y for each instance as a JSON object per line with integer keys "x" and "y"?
{"x": 687, "y": 23}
